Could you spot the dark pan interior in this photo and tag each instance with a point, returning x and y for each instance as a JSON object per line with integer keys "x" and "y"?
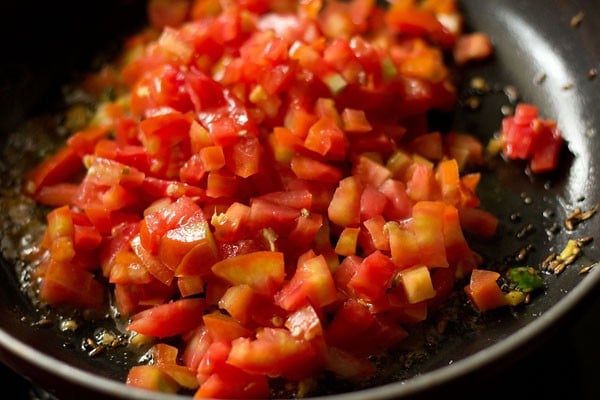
{"x": 532, "y": 39}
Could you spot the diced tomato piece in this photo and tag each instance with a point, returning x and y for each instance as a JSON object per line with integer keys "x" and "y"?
{"x": 370, "y": 172}
{"x": 349, "y": 325}
{"x": 221, "y": 184}
{"x": 399, "y": 204}
{"x": 231, "y": 224}
{"x": 404, "y": 247}
{"x": 243, "y": 157}
{"x": 190, "y": 285}
{"x": 189, "y": 248}
{"x": 422, "y": 185}
{"x": 83, "y": 142}
{"x": 326, "y": 138}
{"x": 377, "y": 233}
{"x": 304, "y": 323}
{"x": 156, "y": 223}
{"x": 238, "y": 301}
{"x": 151, "y": 377}
{"x": 484, "y": 291}
{"x": 312, "y": 169}
{"x": 62, "y": 166}
{"x": 374, "y": 276}
{"x": 57, "y": 195}
{"x": 127, "y": 268}
{"x": 547, "y": 148}
{"x": 222, "y": 327}
{"x": 312, "y": 282}
{"x": 355, "y": 121}
{"x": 117, "y": 241}
{"x": 151, "y": 263}
{"x": 233, "y": 383}
{"x": 347, "y": 241}
{"x": 416, "y": 22}
{"x": 475, "y": 46}
{"x": 464, "y": 148}
{"x": 428, "y": 228}
{"x": 305, "y": 230}
{"x": 417, "y": 284}
{"x": 169, "y": 319}
{"x": 274, "y": 215}
{"x": 263, "y": 271}
{"x": 526, "y": 136}
{"x": 344, "y": 208}
{"x": 65, "y": 284}
{"x": 276, "y": 352}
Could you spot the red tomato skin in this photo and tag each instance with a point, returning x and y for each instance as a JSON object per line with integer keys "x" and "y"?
{"x": 192, "y": 235}
{"x": 526, "y": 136}
{"x": 65, "y": 284}
{"x": 232, "y": 383}
{"x": 169, "y": 319}
{"x": 349, "y": 325}
{"x": 57, "y": 168}
{"x": 262, "y": 270}
{"x": 275, "y": 352}
{"x": 157, "y": 223}
{"x": 312, "y": 282}
{"x": 428, "y": 229}
{"x": 373, "y": 276}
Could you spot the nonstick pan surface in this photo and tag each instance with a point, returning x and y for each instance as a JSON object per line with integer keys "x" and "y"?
{"x": 546, "y": 52}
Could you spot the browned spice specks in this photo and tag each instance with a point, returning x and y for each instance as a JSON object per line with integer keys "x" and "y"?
{"x": 539, "y": 78}
{"x": 556, "y": 263}
{"x": 592, "y": 73}
{"x": 578, "y": 216}
{"x": 567, "y": 86}
{"x": 97, "y": 350}
{"x": 587, "y": 268}
{"x": 522, "y": 254}
{"x": 577, "y": 19}
{"x": 525, "y": 231}
{"x": 44, "y": 322}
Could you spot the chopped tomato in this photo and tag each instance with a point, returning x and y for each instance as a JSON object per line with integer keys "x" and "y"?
{"x": 151, "y": 378}
{"x": 527, "y": 136}
{"x": 265, "y": 190}
{"x": 276, "y": 352}
{"x": 312, "y": 282}
{"x": 63, "y": 165}
{"x": 263, "y": 271}
{"x": 475, "y": 46}
{"x": 484, "y": 291}
{"x": 169, "y": 319}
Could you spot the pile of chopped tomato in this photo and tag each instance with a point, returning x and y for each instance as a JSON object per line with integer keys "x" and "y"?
{"x": 527, "y": 136}
{"x": 264, "y": 188}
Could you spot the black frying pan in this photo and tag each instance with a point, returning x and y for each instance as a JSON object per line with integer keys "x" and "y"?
{"x": 43, "y": 43}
